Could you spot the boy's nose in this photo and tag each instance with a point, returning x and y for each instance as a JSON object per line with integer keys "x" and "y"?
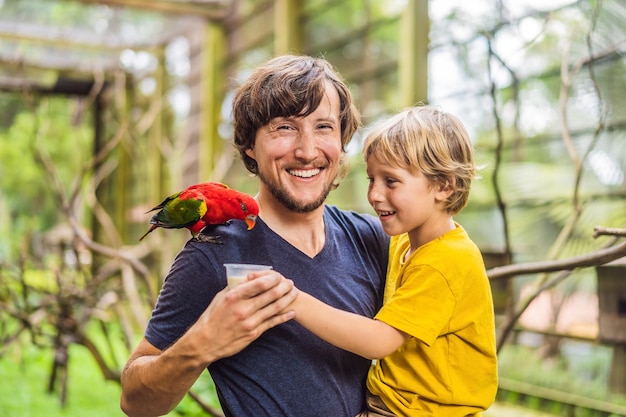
{"x": 373, "y": 193}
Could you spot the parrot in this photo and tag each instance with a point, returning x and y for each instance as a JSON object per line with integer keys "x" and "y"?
{"x": 202, "y": 205}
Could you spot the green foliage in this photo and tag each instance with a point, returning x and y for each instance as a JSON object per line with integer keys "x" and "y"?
{"x": 10, "y": 105}
{"x": 41, "y": 280}
{"x": 25, "y": 184}
{"x": 20, "y": 175}
{"x": 584, "y": 374}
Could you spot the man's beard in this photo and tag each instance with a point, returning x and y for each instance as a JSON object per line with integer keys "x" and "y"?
{"x": 289, "y": 202}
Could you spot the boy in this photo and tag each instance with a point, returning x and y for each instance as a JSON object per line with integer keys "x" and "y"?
{"x": 434, "y": 337}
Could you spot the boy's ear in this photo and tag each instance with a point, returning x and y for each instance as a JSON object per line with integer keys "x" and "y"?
{"x": 446, "y": 188}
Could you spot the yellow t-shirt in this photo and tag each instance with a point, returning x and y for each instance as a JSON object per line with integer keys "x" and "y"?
{"x": 442, "y": 299}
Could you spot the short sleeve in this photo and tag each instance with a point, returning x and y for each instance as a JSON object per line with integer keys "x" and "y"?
{"x": 422, "y": 304}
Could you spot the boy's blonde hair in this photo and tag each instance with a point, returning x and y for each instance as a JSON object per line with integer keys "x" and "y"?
{"x": 428, "y": 140}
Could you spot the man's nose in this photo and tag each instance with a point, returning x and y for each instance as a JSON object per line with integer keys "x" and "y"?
{"x": 305, "y": 145}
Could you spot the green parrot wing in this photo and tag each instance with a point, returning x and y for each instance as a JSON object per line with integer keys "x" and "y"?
{"x": 178, "y": 213}
{"x": 165, "y": 202}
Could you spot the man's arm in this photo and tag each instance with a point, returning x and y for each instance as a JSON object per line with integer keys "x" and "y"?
{"x": 155, "y": 381}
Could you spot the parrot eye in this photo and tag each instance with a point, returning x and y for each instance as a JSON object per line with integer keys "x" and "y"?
{"x": 244, "y": 207}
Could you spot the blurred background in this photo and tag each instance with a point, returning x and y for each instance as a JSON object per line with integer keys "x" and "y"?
{"x": 108, "y": 106}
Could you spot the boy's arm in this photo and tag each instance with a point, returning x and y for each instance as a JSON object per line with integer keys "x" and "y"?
{"x": 363, "y": 336}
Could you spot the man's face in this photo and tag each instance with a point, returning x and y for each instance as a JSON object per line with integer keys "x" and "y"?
{"x": 298, "y": 157}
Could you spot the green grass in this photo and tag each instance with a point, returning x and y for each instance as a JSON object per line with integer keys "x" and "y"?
{"x": 24, "y": 386}
{"x": 24, "y": 376}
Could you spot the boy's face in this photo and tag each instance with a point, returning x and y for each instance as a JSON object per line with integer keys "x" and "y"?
{"x": 299, "y": 157}
{"x": 406, "y": 202}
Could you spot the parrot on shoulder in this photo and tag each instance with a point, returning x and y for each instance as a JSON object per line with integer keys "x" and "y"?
{"x": 202, "y": 205}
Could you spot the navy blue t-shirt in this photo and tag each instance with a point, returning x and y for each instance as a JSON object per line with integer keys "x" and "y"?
{"x": 288, "y": 371}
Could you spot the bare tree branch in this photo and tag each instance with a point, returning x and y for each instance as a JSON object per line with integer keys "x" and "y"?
{"x": 207, "y": 408}
{"x": 608, "y": 231}
{"x": 599, "y": 257}
{"x": 565, "y": 267}
{"x": 498, "y": 152}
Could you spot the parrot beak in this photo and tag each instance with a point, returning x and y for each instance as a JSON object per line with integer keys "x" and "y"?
{"x": 250, "y": 220}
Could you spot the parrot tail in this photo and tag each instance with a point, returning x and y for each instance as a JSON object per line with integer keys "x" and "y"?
{"x": 154, "y": 226}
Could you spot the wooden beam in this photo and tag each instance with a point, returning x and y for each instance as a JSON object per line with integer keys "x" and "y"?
{"x": 212, "y": 96}
{"x": 209, "y": 9}
{"x": 617, "y": 376}
{"x": 525, "y": 388}
{"x": 413, "y": 57}
{"x": 155, "y": 136}
{"x": 287, "y": 27}
{"x": 64, "y": 38}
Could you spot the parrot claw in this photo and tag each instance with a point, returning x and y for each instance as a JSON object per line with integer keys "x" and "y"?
{"x": 208, "y": 239}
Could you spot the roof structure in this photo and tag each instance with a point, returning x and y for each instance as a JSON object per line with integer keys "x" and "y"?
{"x": 61, "y": 46}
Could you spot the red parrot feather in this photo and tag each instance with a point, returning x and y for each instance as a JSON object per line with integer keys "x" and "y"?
{"x": 201, "y": 205}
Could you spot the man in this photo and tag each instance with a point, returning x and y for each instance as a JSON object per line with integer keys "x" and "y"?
{"x": 293, "y": 118}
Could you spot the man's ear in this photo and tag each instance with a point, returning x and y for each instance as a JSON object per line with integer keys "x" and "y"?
{"x": 250, "y": 153}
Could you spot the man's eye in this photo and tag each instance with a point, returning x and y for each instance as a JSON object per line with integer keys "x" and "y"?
{"x": 326, "y": 128}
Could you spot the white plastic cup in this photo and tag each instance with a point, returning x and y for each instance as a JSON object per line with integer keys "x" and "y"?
{"x": 237, "y": 273}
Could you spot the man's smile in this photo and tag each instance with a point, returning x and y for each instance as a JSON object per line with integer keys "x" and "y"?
{"x": 304, "y": 173}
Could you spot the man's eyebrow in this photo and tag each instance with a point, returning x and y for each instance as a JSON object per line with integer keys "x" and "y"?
{"x": 282, "y": 118}
{"x": 333, "y": 119}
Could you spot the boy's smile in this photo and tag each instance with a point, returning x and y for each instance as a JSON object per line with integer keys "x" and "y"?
{"x": 407, "y": 203}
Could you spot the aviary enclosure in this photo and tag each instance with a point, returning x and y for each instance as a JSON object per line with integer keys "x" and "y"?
{"x": 108, "y": 106}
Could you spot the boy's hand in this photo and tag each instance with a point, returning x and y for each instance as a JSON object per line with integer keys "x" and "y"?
{"x": 273, "y": 275}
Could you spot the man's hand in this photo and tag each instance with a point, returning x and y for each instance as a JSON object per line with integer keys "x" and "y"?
{"x": 155, "y": 381}
{"x": 239, "y": 315}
